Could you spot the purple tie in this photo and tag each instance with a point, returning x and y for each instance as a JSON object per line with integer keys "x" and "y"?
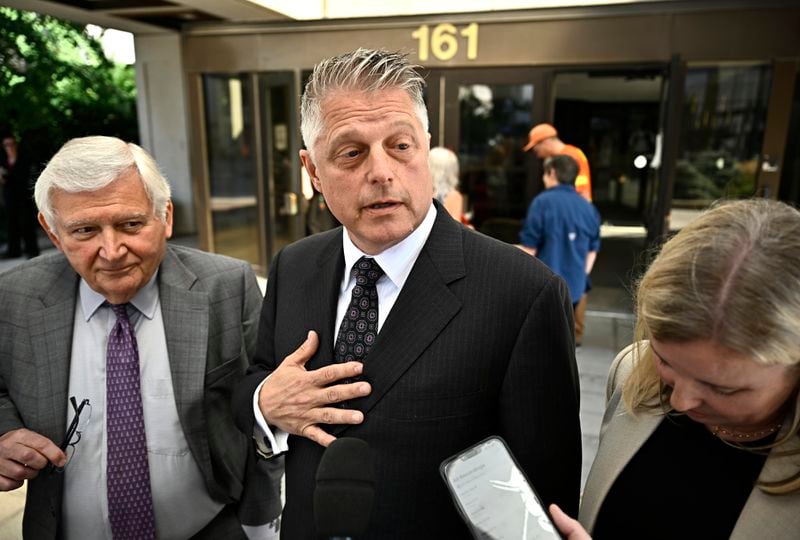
{"x": 130, "y": 505}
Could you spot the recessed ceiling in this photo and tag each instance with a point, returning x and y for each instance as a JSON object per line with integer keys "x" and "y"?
{"x": 149, "y": 15}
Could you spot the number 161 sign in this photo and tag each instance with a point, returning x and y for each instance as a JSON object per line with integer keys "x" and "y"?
{"x": 443, "y": 41}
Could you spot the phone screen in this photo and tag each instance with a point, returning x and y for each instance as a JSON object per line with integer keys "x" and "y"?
{"x": 494, "y": 496}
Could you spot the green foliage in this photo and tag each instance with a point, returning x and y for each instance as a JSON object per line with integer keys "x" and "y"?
{"x": 56, "y": 84}
{"x": 708, "y": 175}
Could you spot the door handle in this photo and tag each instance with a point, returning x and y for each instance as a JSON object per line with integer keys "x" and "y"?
{"x": 290, "y": 206}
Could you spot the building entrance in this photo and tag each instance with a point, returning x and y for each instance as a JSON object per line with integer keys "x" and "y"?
{"x": 484, "y": 115}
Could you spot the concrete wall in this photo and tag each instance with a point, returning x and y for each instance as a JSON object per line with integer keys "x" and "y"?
{"x": 163, "y": 118}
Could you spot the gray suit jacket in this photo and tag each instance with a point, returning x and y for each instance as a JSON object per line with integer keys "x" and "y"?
{"x": 210, "y": 309}
{"x": 479, "y": 342}
{"x": 621, "y": 436}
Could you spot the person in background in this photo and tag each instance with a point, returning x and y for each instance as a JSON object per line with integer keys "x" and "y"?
{"x": 318, "y": 216}
{"x": 444, "y": 173}
{"x": 140, "y": 344}
{"x": 16, "y": 172}
{"x": 419, "y": 336}
{"x": 544, "y": 141}
{"x": 562, "y": 228}
{"x": 701, "y": 435}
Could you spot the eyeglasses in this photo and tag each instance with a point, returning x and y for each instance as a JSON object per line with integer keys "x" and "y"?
{"x": 83, "y": 414}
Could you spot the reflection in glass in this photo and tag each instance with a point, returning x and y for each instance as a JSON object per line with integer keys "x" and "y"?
{"x": 232, "y": 166}
{"x": 790, "y": 176}
{"x": 722, "y": 128}
{"x": 280, "y": 163}
{"x": 613, "y": 116}
{"x": 494, "y": 124}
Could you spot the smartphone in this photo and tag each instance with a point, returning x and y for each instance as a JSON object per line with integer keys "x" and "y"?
{"x": 493, "y": 495}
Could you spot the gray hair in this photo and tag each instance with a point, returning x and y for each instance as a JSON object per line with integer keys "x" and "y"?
{"x": 443, "y": 164}
{"x": 92, "y": 163}
{"x": 363, "y": 70}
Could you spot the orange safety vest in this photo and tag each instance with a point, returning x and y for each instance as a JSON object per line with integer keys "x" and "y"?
{"x": 583, "y": 183}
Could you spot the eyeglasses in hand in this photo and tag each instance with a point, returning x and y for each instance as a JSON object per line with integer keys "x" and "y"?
{"x": 83, "y": 414}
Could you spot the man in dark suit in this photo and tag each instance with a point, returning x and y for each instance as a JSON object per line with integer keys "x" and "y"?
{"x": 152, "y": 338}
{"x": 469, "y": 338}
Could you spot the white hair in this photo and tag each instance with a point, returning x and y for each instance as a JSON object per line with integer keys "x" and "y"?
{"x": 92, "y": 163}
{"x": 443, "y": 164}
{"x": 363, "y": 70}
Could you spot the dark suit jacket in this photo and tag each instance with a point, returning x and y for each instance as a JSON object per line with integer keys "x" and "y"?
{"x": 210, "y": 307}
{"x": 479, "y": 342}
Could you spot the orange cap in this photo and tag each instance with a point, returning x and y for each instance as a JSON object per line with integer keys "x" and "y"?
{"x": 538, "y": 133}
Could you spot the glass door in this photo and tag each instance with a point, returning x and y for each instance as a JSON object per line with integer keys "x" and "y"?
{"x": 232, "y": 171}
{"x": 253, "y": 165}
{"x": 282, "y": 220}
{"x": 613, "y": 116}
{"x": 484, "y": 115}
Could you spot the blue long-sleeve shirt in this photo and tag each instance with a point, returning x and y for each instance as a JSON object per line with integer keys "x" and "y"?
{"x": 563, "y": 228}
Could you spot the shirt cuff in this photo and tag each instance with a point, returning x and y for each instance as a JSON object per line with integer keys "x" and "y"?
{"x": 268, "y": 443}
{"x": 268, "y": 531}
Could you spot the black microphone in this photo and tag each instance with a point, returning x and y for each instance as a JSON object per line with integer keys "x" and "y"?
{"x": 345, "y": 489}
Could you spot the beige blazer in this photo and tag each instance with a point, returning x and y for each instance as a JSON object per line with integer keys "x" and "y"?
{"x": 621, "y": 436}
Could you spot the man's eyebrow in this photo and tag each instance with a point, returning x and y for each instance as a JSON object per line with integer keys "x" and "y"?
{"x": 75, "y": 224}
{"x": 353, "y": 134}
{"x": 404, "y": 124}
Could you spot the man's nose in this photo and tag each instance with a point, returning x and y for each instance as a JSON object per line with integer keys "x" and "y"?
{"x": 380, "y": 165}
{"x": 112, "y": 246}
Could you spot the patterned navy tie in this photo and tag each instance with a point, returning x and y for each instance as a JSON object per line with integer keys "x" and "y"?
{"x": 359, "y": 327}
{"x": 130, "y": 504}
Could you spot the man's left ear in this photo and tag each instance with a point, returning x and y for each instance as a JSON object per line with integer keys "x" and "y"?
{"x": 50, "y": 233}
{"x": 168, "y": 219}
{"x": 311, "y": 169}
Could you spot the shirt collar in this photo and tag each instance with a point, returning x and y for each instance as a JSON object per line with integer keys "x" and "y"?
{"x": 145, "y": 301}
{"x": 565, "y": 187}
{"x": 397, "y": 260}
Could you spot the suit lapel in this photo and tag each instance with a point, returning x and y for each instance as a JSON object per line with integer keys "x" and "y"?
{"x": 423, "y": 309}
{"x": 323, "y": 290}
{"x": 622, "y": 437}
{"x": 186, "y": 317}
{"x": 51, "y": 340}
{"x": 772, "y": 516}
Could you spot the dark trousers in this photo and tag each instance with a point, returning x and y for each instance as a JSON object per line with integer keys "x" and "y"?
{"x": 225, "y": 526}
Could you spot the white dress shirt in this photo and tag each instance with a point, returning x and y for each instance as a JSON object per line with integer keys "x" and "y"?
{"x": 397, "y": 263}
{"x": 181, "y": 503}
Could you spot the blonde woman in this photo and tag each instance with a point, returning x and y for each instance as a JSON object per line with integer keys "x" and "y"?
{"x": 700, "y": 436}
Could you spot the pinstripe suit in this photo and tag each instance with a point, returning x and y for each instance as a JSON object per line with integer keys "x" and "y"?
{"x": 210, "y": 308}
{"x": 479, "y": 342}
{"x": 763, "y": 516}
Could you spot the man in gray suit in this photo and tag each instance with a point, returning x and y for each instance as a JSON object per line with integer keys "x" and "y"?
{"x": 147, "y": 341}
{"x": 450, "y": 336}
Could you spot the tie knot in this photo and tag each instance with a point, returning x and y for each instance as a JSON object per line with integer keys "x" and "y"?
{"x": 120, "y": 310}
{"x": 367, "y": 272}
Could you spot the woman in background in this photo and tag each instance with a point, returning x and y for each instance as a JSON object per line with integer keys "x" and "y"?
{"x": 700, "y": 435}
{"x": 443, "y": 165}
